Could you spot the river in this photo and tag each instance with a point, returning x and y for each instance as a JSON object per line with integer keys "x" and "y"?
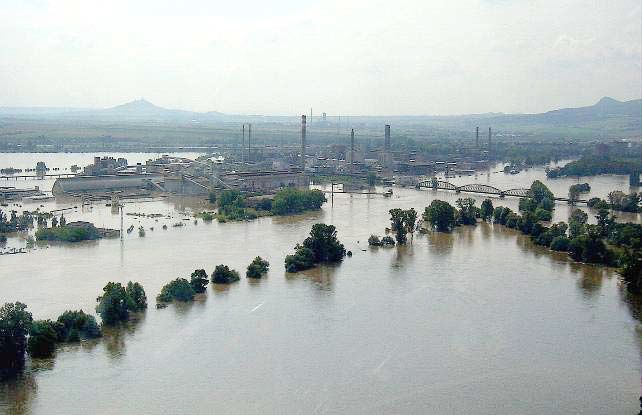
{"x": 476, "y": 321}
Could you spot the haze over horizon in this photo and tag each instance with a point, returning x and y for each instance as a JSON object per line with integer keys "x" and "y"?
{"x": 365, "y": 58}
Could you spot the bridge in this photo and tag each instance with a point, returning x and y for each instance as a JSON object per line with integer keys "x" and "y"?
{"x": 482, "y": 189}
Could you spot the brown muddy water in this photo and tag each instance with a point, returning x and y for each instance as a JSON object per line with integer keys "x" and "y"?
{"x": 476, "y": 321}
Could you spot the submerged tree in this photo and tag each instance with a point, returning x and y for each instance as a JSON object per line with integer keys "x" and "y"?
{"x": 117, "y": 301}
{"x": 178, "y": 289}
{"x": 42, "y": 338}
{"x": 486, "y": 210}
{"x": 224, "y": 275}
{"x": 321, "y": 246}
{"x": 15, "y": 323}
{"x": 467, "y": 214}
{"x": 403, "y": 222}
{"x": 440, "y": 215}
{"x": 199, "y": 280}
{"x": 257, "y": 268}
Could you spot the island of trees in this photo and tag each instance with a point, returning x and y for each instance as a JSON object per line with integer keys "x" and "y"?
{"x": 322, "y": 246}
{"x": 233, "y": 206}
{"x": 593, "y": 165}
{"x": 607, "y": 242}
{"x": 618, "y": 201}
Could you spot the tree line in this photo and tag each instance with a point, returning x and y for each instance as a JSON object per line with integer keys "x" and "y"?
{"x": 233, "y": 206}
{"x": 20, "y": 334}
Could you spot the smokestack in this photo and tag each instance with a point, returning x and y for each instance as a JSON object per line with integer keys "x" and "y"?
{"x": 249, "y": 142}
{"x": 303, "y": 125}
{"x": 490, "y": 134}
{"x": 351, "y": 149}
{"x": 386, "y": 143}
{"x": 243, "y": 145}
{"x": 476, "y": 137}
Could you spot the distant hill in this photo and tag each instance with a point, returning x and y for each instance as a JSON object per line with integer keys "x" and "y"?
{"x": 607, "y": 117}
{"x": 605, "y": 109}
{"x": 138, "y": 110}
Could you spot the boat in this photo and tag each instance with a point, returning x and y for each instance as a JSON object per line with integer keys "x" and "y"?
{"x": 387, "y": 193}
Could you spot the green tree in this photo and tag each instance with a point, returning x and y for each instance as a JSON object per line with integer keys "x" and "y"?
{"x": 136, "y": 294}
{"x": 42, "y": 338}
{"x": 467, "y": 214}
{"x": 74, "y": 325}
{"x": 486, "y": 210}
{"x": 178, "y": 289}
{"x": 576, "y": 223}
{"x": 15, "y": 323}
{"x": 604, "y": 221}
{"x": 560, "y": 243}
{"x": 257, "y": 268}
{"x": 397, "y": 225}
{"x": 290, "y": 201}
{"x": 199, "y": 280}
{"x": 374, "y": 240}
{"x": 302, "y": 259}
{"x": 224, "y": 275}
{"x": 116, "y": 302}
{"x": 321, "y": 246}
{"x": 324, "y": 244}
{"x": 440, "y": 215}
{"x": 539, "y": 192}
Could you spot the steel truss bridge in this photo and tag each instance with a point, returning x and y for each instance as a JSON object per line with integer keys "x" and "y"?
{"x": 481, "y": 189}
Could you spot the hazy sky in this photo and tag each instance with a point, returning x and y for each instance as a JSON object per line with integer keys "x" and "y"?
{"x": 339, "y": 56}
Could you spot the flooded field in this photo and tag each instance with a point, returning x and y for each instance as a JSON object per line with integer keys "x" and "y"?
{"x": 476, "y": 321}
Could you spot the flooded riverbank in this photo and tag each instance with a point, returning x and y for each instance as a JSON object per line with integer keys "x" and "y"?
{"x": 478, "y": 320}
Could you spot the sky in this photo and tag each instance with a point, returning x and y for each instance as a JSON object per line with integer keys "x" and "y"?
{"x": 343, "y": 57}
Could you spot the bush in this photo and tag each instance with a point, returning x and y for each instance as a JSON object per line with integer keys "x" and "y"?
{"x": 374, "y": 240}
{"x": 302, "y": 259}
{"x": 387, "y": 241}
{"x": 15, "y": 323}
{"x": 257, "y": 268}
{"x": 73, "y": 325}
{"x": 486, "y": 210}
{"x": 42, "y": 338}
{"x": 67, "y": 234}
{"x": 117, "y": 301}
{"x": 560, "y": 243}
{"x": 199, "y": 280}
{"x": 178, "y": 289}
{"x": 543, "y": 214}
{"x": 264, "y": 204}
{"x": 289, "y": 201}
{"x": 136, "y": 294}
{"x": 440, "y": 215}
{"x": 224, "y": 275}
{"x": 206, "y": 216}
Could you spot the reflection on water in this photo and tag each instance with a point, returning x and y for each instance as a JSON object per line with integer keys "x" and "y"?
{"x": 115, "y": 337}
{"x": 17, "y": 395}
{"x": 322, "y": 277}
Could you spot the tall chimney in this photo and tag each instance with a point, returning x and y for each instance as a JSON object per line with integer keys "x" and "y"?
{"x": 386, "y": 143}
{"x": 476, "y": 137}
{"x": 243, "y": 145}
{"x": 351, "y": 149}
{"x": 249, "y": 142}
{"x": 303, "y": 125}
{"x": 490, "y": 135}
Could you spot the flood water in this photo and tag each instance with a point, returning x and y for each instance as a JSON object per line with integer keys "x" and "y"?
{"x": 476, "y": 321}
